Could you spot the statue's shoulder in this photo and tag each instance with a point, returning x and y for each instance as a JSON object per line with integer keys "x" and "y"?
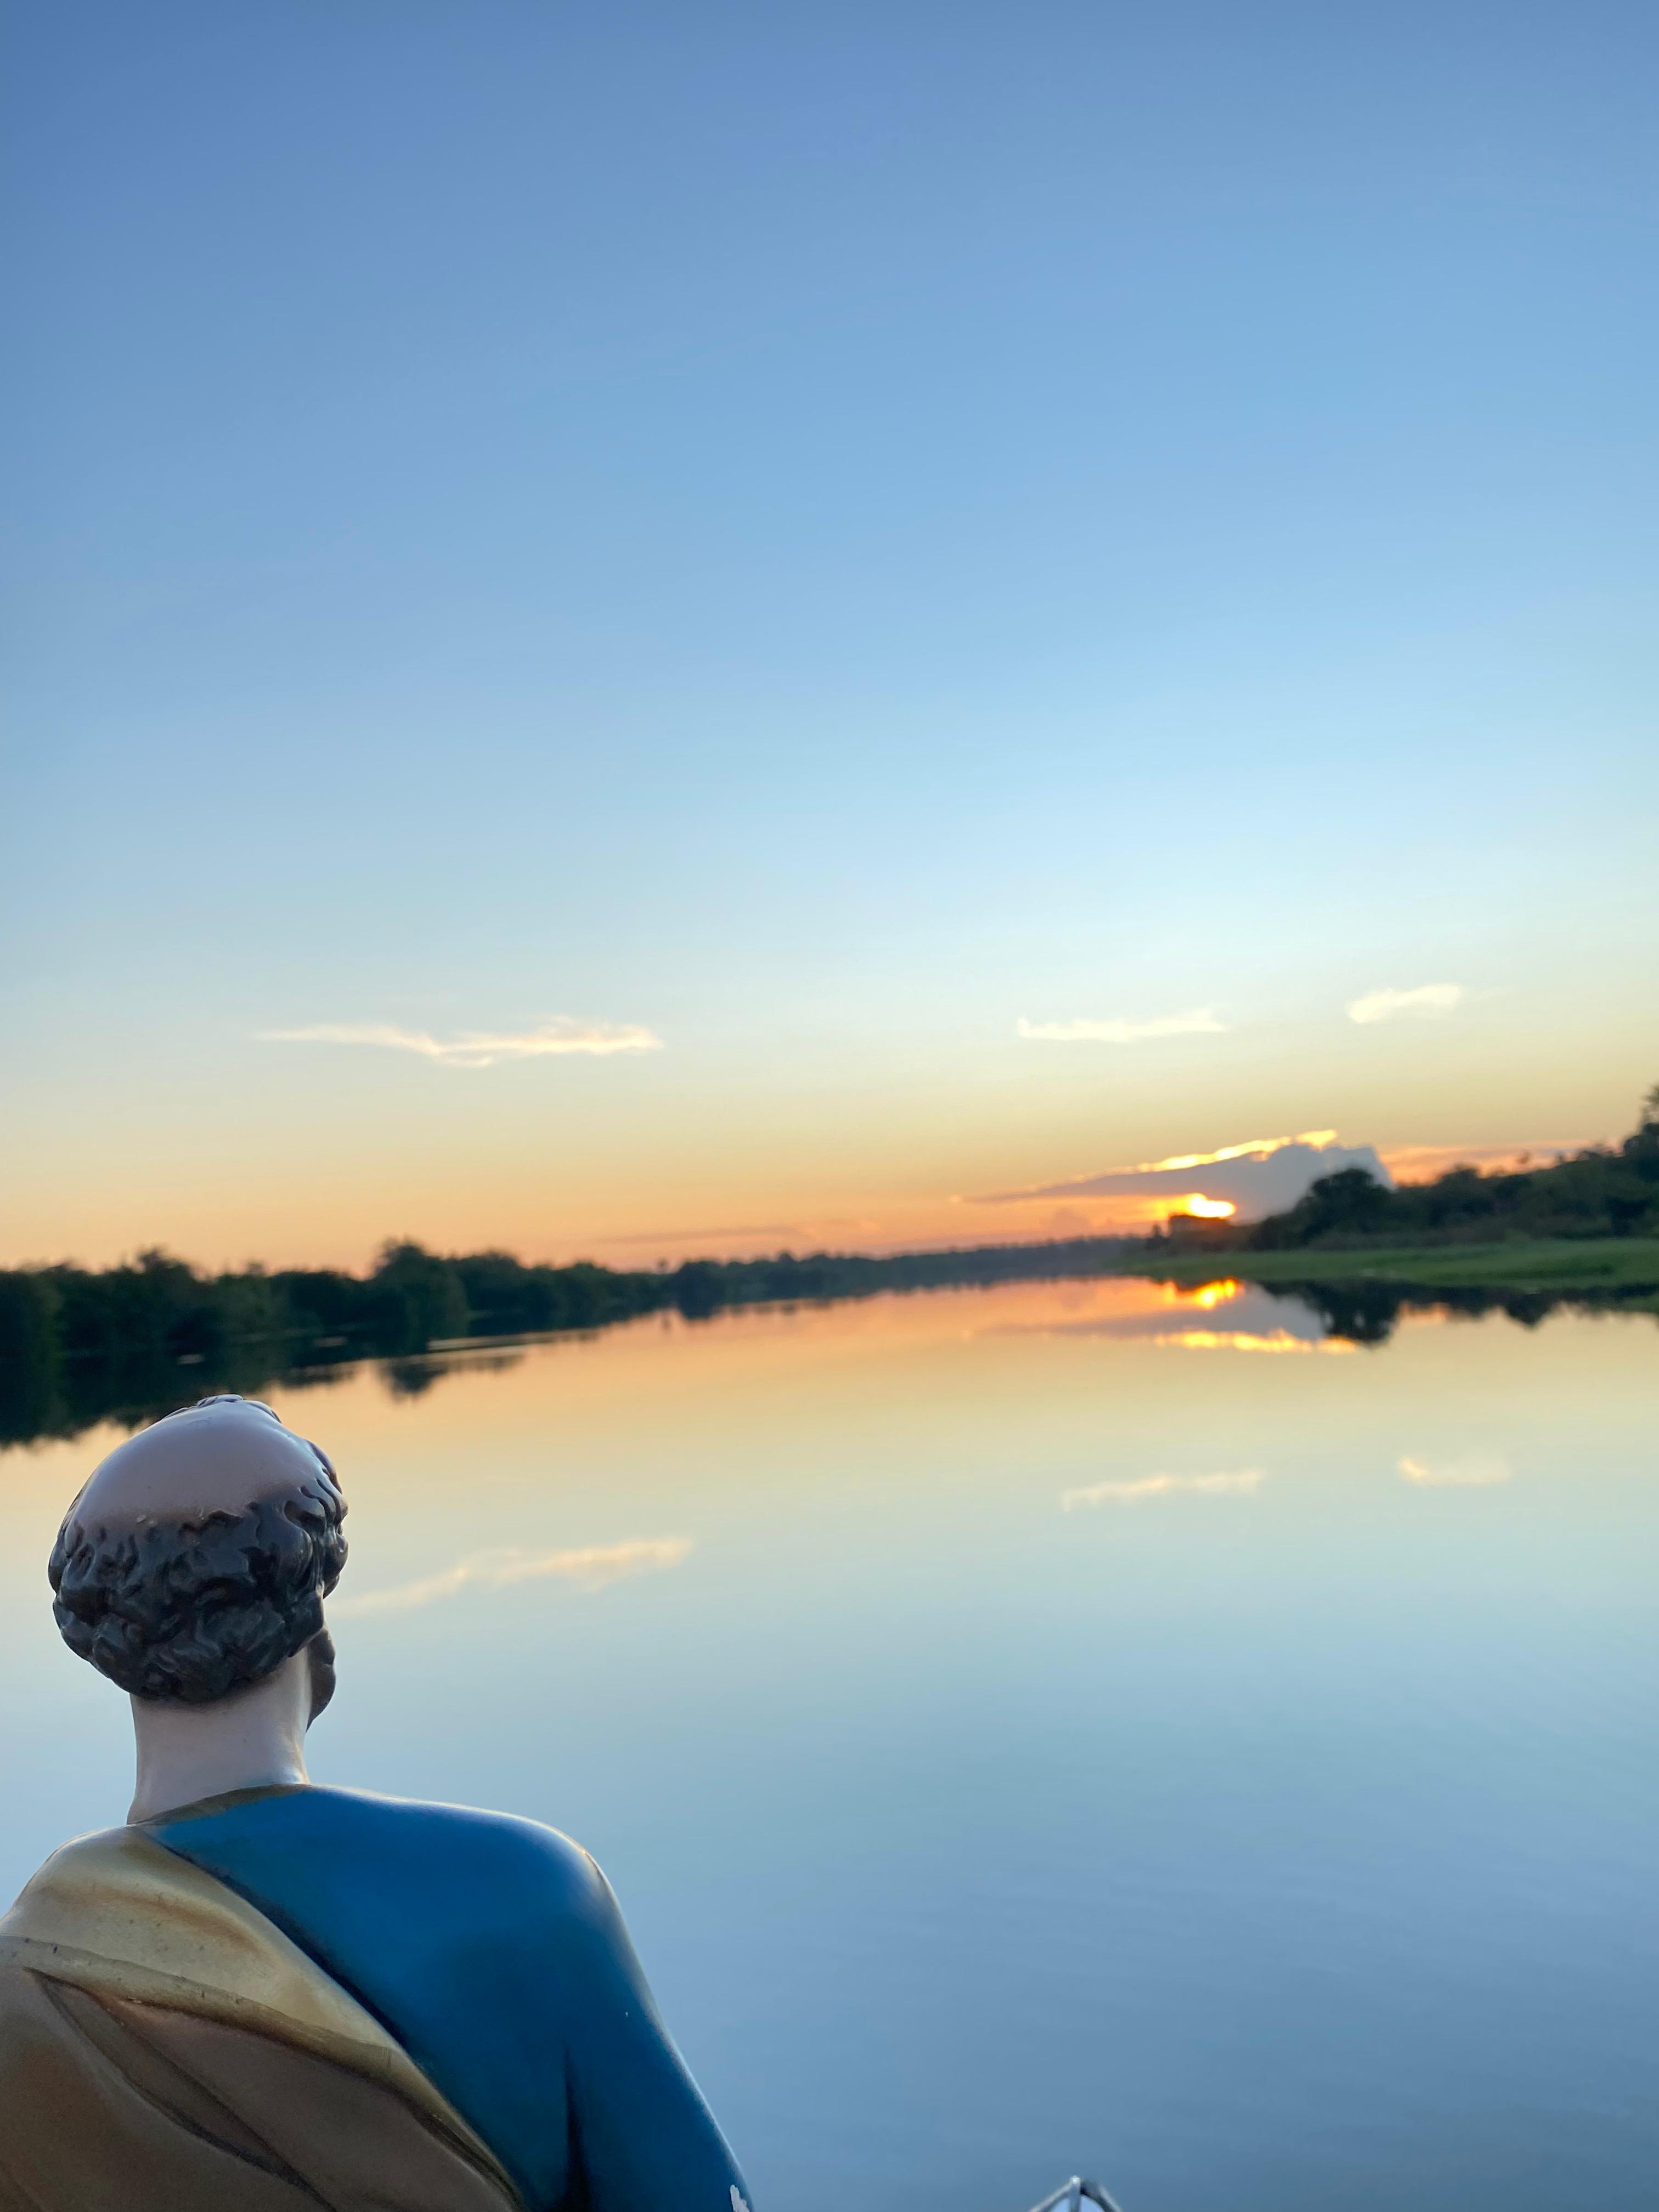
{"x": 91, "y": 1850}
{"x": 484, "y": 1866}
{"x": 104, "y": 1856}
{"x": 503, "y": 1841}
{"x": 503, "y": 1850}
{"x": 497, "y": 1887}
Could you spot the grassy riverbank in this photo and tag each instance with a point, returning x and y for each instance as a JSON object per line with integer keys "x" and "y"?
{"x": 1568, "y": 1264}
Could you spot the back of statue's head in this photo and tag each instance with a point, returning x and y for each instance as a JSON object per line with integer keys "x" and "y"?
{"x": 197, "y": 1558}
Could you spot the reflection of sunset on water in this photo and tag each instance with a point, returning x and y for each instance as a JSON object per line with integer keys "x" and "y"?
{"x": 1161, "y": 1314}
{"x": 1237, "y": 1339}
{"x": 1011, "y": 1566}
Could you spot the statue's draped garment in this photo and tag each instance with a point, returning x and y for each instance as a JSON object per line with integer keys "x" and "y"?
{"x": 295, "y": 1998}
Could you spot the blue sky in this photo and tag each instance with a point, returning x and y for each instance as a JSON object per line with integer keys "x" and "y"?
{"x": 818, "y": 534}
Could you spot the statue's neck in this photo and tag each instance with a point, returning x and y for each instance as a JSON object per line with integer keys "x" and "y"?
{"x": 250, "y": 1740}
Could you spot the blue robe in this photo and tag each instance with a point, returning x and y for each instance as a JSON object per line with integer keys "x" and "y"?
{"x": 492, "y": 1950}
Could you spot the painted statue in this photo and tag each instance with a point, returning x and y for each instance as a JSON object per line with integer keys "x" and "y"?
{"x": 263, "y": 1996}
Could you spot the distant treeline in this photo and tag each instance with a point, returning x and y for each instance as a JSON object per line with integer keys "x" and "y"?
{"x": 1606, "y": 1190}
{"x": 78, "y": 1344}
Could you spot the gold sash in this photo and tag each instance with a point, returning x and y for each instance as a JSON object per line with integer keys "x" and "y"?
{"x": 165, "y": 2048}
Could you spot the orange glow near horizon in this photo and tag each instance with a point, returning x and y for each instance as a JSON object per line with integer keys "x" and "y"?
{"x": 329, "y": 1191}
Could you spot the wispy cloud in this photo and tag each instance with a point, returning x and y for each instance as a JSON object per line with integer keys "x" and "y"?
{"x": 1252, "y": 1148}
{"x": 1200, "y": 1021}
{"x": 1474, "y": 1470}
{"x": 478, "y": 1047}
{"x": 589, "y": 1566}
{"x": 1429, "y": 999}
{"x": 1239, "y": 1485}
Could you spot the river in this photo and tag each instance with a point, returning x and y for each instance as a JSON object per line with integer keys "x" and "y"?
{"x": 1061, "y": 1725}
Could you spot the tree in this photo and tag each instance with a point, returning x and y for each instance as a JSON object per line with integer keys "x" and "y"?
{"x": 416, "y": 1298}
{"x": 1351, "y": 1203}
{"x": 1641, "y": 1149}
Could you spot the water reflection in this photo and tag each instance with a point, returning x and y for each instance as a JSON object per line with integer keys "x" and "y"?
{"x": 1474, "y": 1471}
{"x": 1222, "y": 1316}
{"x": 413, "y": 1375}
{"x": 1023, "y": 1744}
{"x": 588, "y": 1566}
{"x": 42, "y": 1396}
{"x": 1242, "y": 1484}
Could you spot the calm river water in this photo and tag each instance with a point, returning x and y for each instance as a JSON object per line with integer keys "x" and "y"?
{"x": 1061, "y": 1725}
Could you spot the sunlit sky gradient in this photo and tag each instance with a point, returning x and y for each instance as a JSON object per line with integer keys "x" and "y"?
{"x": 952, "y": 585}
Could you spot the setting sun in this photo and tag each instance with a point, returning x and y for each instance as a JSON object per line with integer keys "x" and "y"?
{"x": 1208, "y": 1209}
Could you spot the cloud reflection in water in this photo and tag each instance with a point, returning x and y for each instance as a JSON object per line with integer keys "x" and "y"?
{"x": 1474, "y": 1471}
{"x": 1242, "y": 1484}
{"x": 589, "y": 1566}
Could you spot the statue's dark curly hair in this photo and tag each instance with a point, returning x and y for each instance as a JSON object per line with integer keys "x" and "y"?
{"x": 187, "y": 1613}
